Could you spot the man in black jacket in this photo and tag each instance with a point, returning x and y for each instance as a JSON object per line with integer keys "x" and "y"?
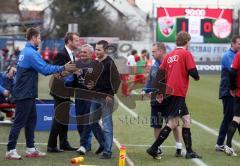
{"x": 107, "y": 84}
{"x": 61, "y": 96}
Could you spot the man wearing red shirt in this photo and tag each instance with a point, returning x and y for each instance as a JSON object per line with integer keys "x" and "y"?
{"x": 178, "y": 65}
{"x": 234, "y": 77}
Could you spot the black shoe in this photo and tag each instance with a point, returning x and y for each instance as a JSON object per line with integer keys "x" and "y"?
{"x": 159, "y": 151}
{"x": 54, "y": 150}
{"x": 219, "y": 148}
{"x": 1, "y": 118}
{"x": 154, "y": 153}
{"x": 88, "y": 149}
{"x": 178, "y": 153}
{"x": 68, "y": 148}
{"x": 82, "y": 150}
{"x": 100, "y": 150}
{"x": 190, "y": 155}
{"x": 105, "y": 156}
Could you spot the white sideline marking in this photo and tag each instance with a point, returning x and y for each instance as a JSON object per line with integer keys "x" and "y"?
{"x": 204, "y": 127}
{"x": 135, "y": 115}
{"x": 211, "y": 131}
{"x": 134, "y": 145}
{"x": 129, "y": 161}
{"x": 196, "y": 161}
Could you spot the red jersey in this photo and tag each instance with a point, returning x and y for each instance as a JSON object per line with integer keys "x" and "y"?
{"x": 236, "y": 66}
{"x": 177, "y": 64}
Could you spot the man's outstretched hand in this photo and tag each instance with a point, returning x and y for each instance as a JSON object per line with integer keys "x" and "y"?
{"x": 70, "y": 67}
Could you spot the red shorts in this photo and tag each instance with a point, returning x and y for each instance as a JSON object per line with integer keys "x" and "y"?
{"x": 139, "y": 78}
{"x": 124, "y": 77}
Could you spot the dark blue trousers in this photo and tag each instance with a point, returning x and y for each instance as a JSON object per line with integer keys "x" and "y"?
{"x": 25, "y": 116}
{"x": 82, "y": 108}
{"x": 227, "y": 118}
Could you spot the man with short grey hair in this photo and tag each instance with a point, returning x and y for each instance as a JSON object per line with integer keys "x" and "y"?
{"x": 82, "y": 106}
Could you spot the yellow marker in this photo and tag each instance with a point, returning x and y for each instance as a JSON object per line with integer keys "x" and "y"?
{"x": 77, "y": 160}
{"x": 122, "y": 156}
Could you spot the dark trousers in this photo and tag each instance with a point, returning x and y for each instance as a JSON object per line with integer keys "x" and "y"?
{"x": 25, "y": 116}
{"x": 82, "y": 108}
{"x": 60, "y": 123}
{"x": 227, "y": 118}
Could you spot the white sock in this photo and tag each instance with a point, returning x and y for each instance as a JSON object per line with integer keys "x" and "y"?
{"x": 178, "y": 145}
{"x": 31, "y": 149}
{"x": 13, "y": 150}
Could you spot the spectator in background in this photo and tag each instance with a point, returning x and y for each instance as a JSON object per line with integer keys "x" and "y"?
{"x": 54, "y": 53}
{"x": 6, "y": 83}
{"x": 6, "y": 87}
{"x": 141, "y": 62}
{"x": 131, "y": 63}
{"x": 46, "y": 54}
{"x": 5, "y": 53}
{"x": 139, "y": 74}
{"x": 17, "y": 52}
{"x": 149, "y": 63}
{"x": 13, "y": 57}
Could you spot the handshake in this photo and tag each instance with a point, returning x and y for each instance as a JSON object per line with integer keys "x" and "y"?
{"x": 68, "y": 68}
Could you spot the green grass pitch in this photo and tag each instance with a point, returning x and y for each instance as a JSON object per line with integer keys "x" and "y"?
{"x": 205, "y": 108}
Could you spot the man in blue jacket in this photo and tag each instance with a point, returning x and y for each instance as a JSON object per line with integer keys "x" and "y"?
{"x": 224, "y": 91}
{"x": 25, "y": 91}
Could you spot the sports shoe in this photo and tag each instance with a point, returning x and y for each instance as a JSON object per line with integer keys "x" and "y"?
{"x": 229, "y": 151}
{"x": 105, "y": 156}
{"x": 81, "y": 150}
{"x": 219, "y": 148}
{"x": 159, "y": 151}
{"x": 1, "y": 117}
{"x": 153, "y": 153}
{"x": 190, "y": 155}
{"x": 34, "y": 152}
{"x": 88, "y": 149}
{"x": 12, "y": 155}
{"x": 99, "y": 150}
{"x": 178, "y": 153}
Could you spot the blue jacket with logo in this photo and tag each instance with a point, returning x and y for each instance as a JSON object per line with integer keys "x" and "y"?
{"x": 152, "y": 75}
{"x": 29, "y": 65}
{"x": 226, "y": 62}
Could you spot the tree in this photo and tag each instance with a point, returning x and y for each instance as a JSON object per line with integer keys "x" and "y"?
{"x": 91, "y": 20}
